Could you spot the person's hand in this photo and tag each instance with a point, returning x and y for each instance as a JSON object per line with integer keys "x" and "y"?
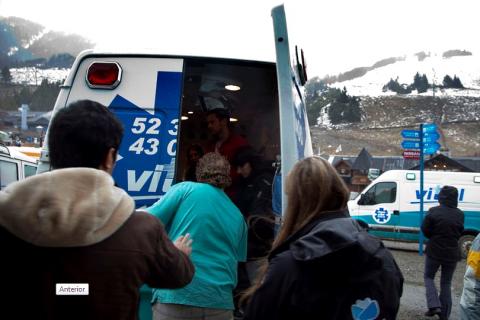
{"x": 184, "y": 244}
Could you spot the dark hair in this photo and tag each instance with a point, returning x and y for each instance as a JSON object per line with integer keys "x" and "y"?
{"x": 246, "y": 154}
{"x": 197, "y": 148}
{"x": 81, "y": 135}
{"x": 313, "y": 188}
{"x": 220, "y": 113}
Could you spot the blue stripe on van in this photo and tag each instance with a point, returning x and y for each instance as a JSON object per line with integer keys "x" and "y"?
{"x": 168, "y": 91}
{"x": 412, "y": 219}
{"x": 436, "y": 202}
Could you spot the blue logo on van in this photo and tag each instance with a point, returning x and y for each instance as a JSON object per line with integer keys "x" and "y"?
{"x": 381, "y": 215}
{"x": 430, "y": 195}
{"x": 145, "y": 167}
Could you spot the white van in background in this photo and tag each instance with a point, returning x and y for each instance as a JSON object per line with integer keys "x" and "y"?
{"x": 390, "y": 205}
{"x": 15, "y": 165}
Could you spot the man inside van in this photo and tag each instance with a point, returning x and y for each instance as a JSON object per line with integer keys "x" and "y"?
{"x": 72, "y": 245}
{"x": 225, "y": 142}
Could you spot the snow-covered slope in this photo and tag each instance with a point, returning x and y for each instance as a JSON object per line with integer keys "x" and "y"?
{"x": 35, "y": 76}
{"x": 467, "y": 68}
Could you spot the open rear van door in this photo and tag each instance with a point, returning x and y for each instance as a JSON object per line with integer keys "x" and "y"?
{"x": 291, "y": 76}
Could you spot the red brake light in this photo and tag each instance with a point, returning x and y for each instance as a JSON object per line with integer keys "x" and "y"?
{"x": 104, "y": 75}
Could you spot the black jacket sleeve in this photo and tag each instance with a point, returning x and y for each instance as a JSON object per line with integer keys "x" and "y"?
{"x": 427, "y": 225}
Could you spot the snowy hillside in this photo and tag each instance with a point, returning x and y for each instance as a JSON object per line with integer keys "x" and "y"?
{"x": 385, "y": 114}
{"x": 467, "y": 68}
{"x": 35, "y": 76}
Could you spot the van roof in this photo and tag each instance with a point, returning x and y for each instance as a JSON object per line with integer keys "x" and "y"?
{"x": 29, "y": 154}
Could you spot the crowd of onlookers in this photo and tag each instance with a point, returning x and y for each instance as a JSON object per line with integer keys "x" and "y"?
{"x": 207, "y": 248}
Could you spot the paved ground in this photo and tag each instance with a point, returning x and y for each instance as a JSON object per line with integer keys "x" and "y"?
{"x": 413, "y": 303}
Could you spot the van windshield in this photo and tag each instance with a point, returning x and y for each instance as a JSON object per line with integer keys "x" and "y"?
{"x": 382, "y": 192}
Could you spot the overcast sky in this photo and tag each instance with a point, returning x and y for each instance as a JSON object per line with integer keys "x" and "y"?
{"x": 337, "y": 35}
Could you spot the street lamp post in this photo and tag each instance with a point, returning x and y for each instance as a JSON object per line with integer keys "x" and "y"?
{"x": 40, "y": 131}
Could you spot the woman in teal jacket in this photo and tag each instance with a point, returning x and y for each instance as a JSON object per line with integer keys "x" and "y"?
{"x": 219, "y": 233}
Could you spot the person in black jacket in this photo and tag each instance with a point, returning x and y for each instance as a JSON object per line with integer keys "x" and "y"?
{"x": 254, "y": 199}
{"x": 443, "y": 225}
{"x": 323, "y": 264}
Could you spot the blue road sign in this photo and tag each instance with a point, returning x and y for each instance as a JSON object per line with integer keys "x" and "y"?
{"x": 410, "y": 134}
{"x": 428, "y": 147}
{"x": 410, "y": 144}
{"x": 429, "y": 127}
{"x": 431, "y": 136}
{"x": 430, "y": 150}
{"x": 431, "y": 145}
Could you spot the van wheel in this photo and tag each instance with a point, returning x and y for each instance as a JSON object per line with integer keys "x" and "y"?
{"x": 465, "y": 242}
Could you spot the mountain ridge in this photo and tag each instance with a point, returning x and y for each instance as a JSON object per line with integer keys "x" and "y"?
{"x": 358, "y": 72}
{"x": 22, "y": 41}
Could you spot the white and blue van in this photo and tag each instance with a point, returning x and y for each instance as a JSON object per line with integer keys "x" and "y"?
{"x": 390, "y": 206}
{"x": 162, "y": 102}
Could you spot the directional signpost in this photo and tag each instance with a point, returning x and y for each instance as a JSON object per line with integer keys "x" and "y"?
{"x": 419, "y": 143}
{"x": 410, "y": 134}
{"x": 430, "y": 137}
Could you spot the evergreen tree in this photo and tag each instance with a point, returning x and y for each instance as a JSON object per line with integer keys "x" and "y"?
{"x": 344, "y": 109}
{"x": 423, "y": 84}
{"x": 417, "y": 80}
{"x": 61, "y": 60}
{"x": 456, "y": 83}
{"x": 24, "y": 96}
{"x": 315, "y": 98}
{"x": 314, "y": 88}
{"x": 315, "y": 106}
{"x": 43, "y": 99}
{"x": 447, "y": 81}
{"x": 395, "y": 86}
{"x": 343, "y": 97}
{"x": 420, "y": 83}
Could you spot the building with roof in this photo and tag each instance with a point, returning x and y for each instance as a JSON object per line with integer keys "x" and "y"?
{"x": 358, "y": 171}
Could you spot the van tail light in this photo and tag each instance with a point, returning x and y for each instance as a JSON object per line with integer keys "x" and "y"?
{"x": 104, "y": 75}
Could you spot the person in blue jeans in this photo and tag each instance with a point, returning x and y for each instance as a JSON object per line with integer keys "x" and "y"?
{"x": 219, "y": 233}
{"x": 443, "y": 226}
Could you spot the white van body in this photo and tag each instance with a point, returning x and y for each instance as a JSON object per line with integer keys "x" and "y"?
{"x": 390, "y": 205}
{"x": 162, "y": 102}
{"x": 15, "y": 165}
